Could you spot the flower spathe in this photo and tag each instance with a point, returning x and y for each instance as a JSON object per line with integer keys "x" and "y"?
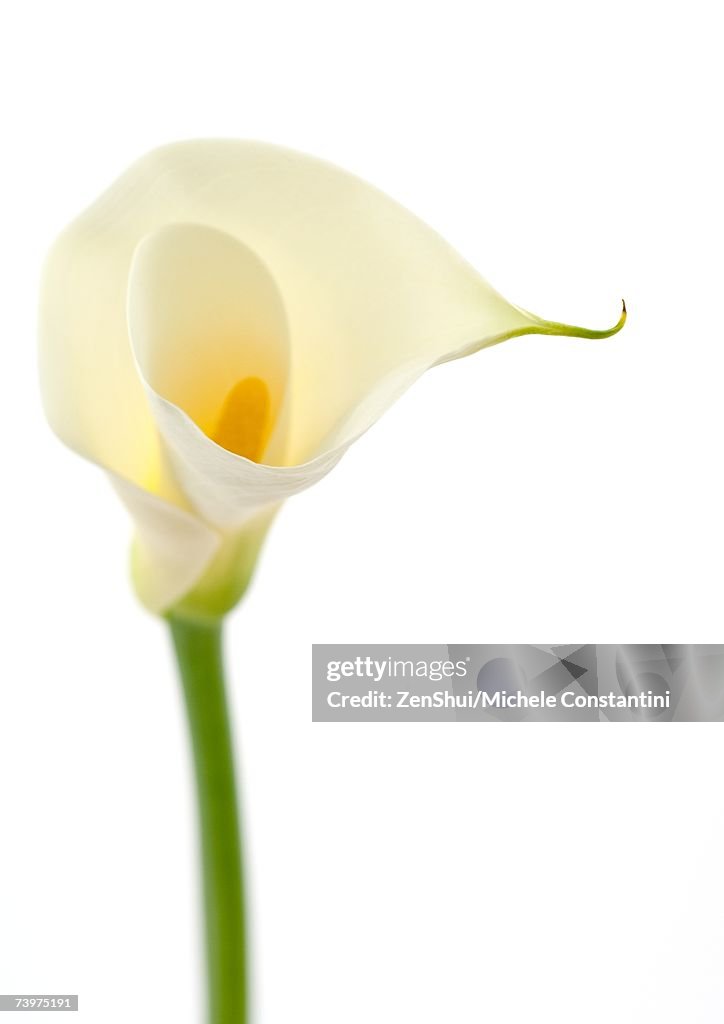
{"x": 223, "y": 323}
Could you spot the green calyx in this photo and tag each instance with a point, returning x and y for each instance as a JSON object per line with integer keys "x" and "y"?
{"x": 228, "y": 576}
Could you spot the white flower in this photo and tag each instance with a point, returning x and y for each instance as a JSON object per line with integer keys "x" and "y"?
{"x": 222, "y": 324}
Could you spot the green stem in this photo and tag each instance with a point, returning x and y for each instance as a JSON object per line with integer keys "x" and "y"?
{"x": 199, "y": 653}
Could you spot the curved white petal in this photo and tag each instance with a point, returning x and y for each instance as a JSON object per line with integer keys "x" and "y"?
{"x": 204, "y": 313}
{"x": 172, "y": 548}
{"x": 371, "y": 298}
{"x": 366, "y": 286}
{"x": 227, "y": 489}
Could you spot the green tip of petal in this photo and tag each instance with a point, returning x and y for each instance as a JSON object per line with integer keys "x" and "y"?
{"x": 571, "y": 331}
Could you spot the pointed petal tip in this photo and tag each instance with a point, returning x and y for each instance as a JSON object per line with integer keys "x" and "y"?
{"x": 616, "y": 327}
{"x": 621, "y": 321}
{"x": 553, "y": 327}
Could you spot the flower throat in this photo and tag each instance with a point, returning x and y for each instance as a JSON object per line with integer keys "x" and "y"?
{"x": 244, "y": 422}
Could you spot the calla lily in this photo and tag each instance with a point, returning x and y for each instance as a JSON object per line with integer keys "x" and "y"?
{"x": 216, "y": 331}
{"x": 223, "y": 323}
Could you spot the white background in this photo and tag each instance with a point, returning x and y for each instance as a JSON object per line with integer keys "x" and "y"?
{"x": 545, "y": 490}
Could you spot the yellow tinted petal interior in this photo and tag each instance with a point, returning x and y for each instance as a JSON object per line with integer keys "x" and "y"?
{"x": 244, "y": 423}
